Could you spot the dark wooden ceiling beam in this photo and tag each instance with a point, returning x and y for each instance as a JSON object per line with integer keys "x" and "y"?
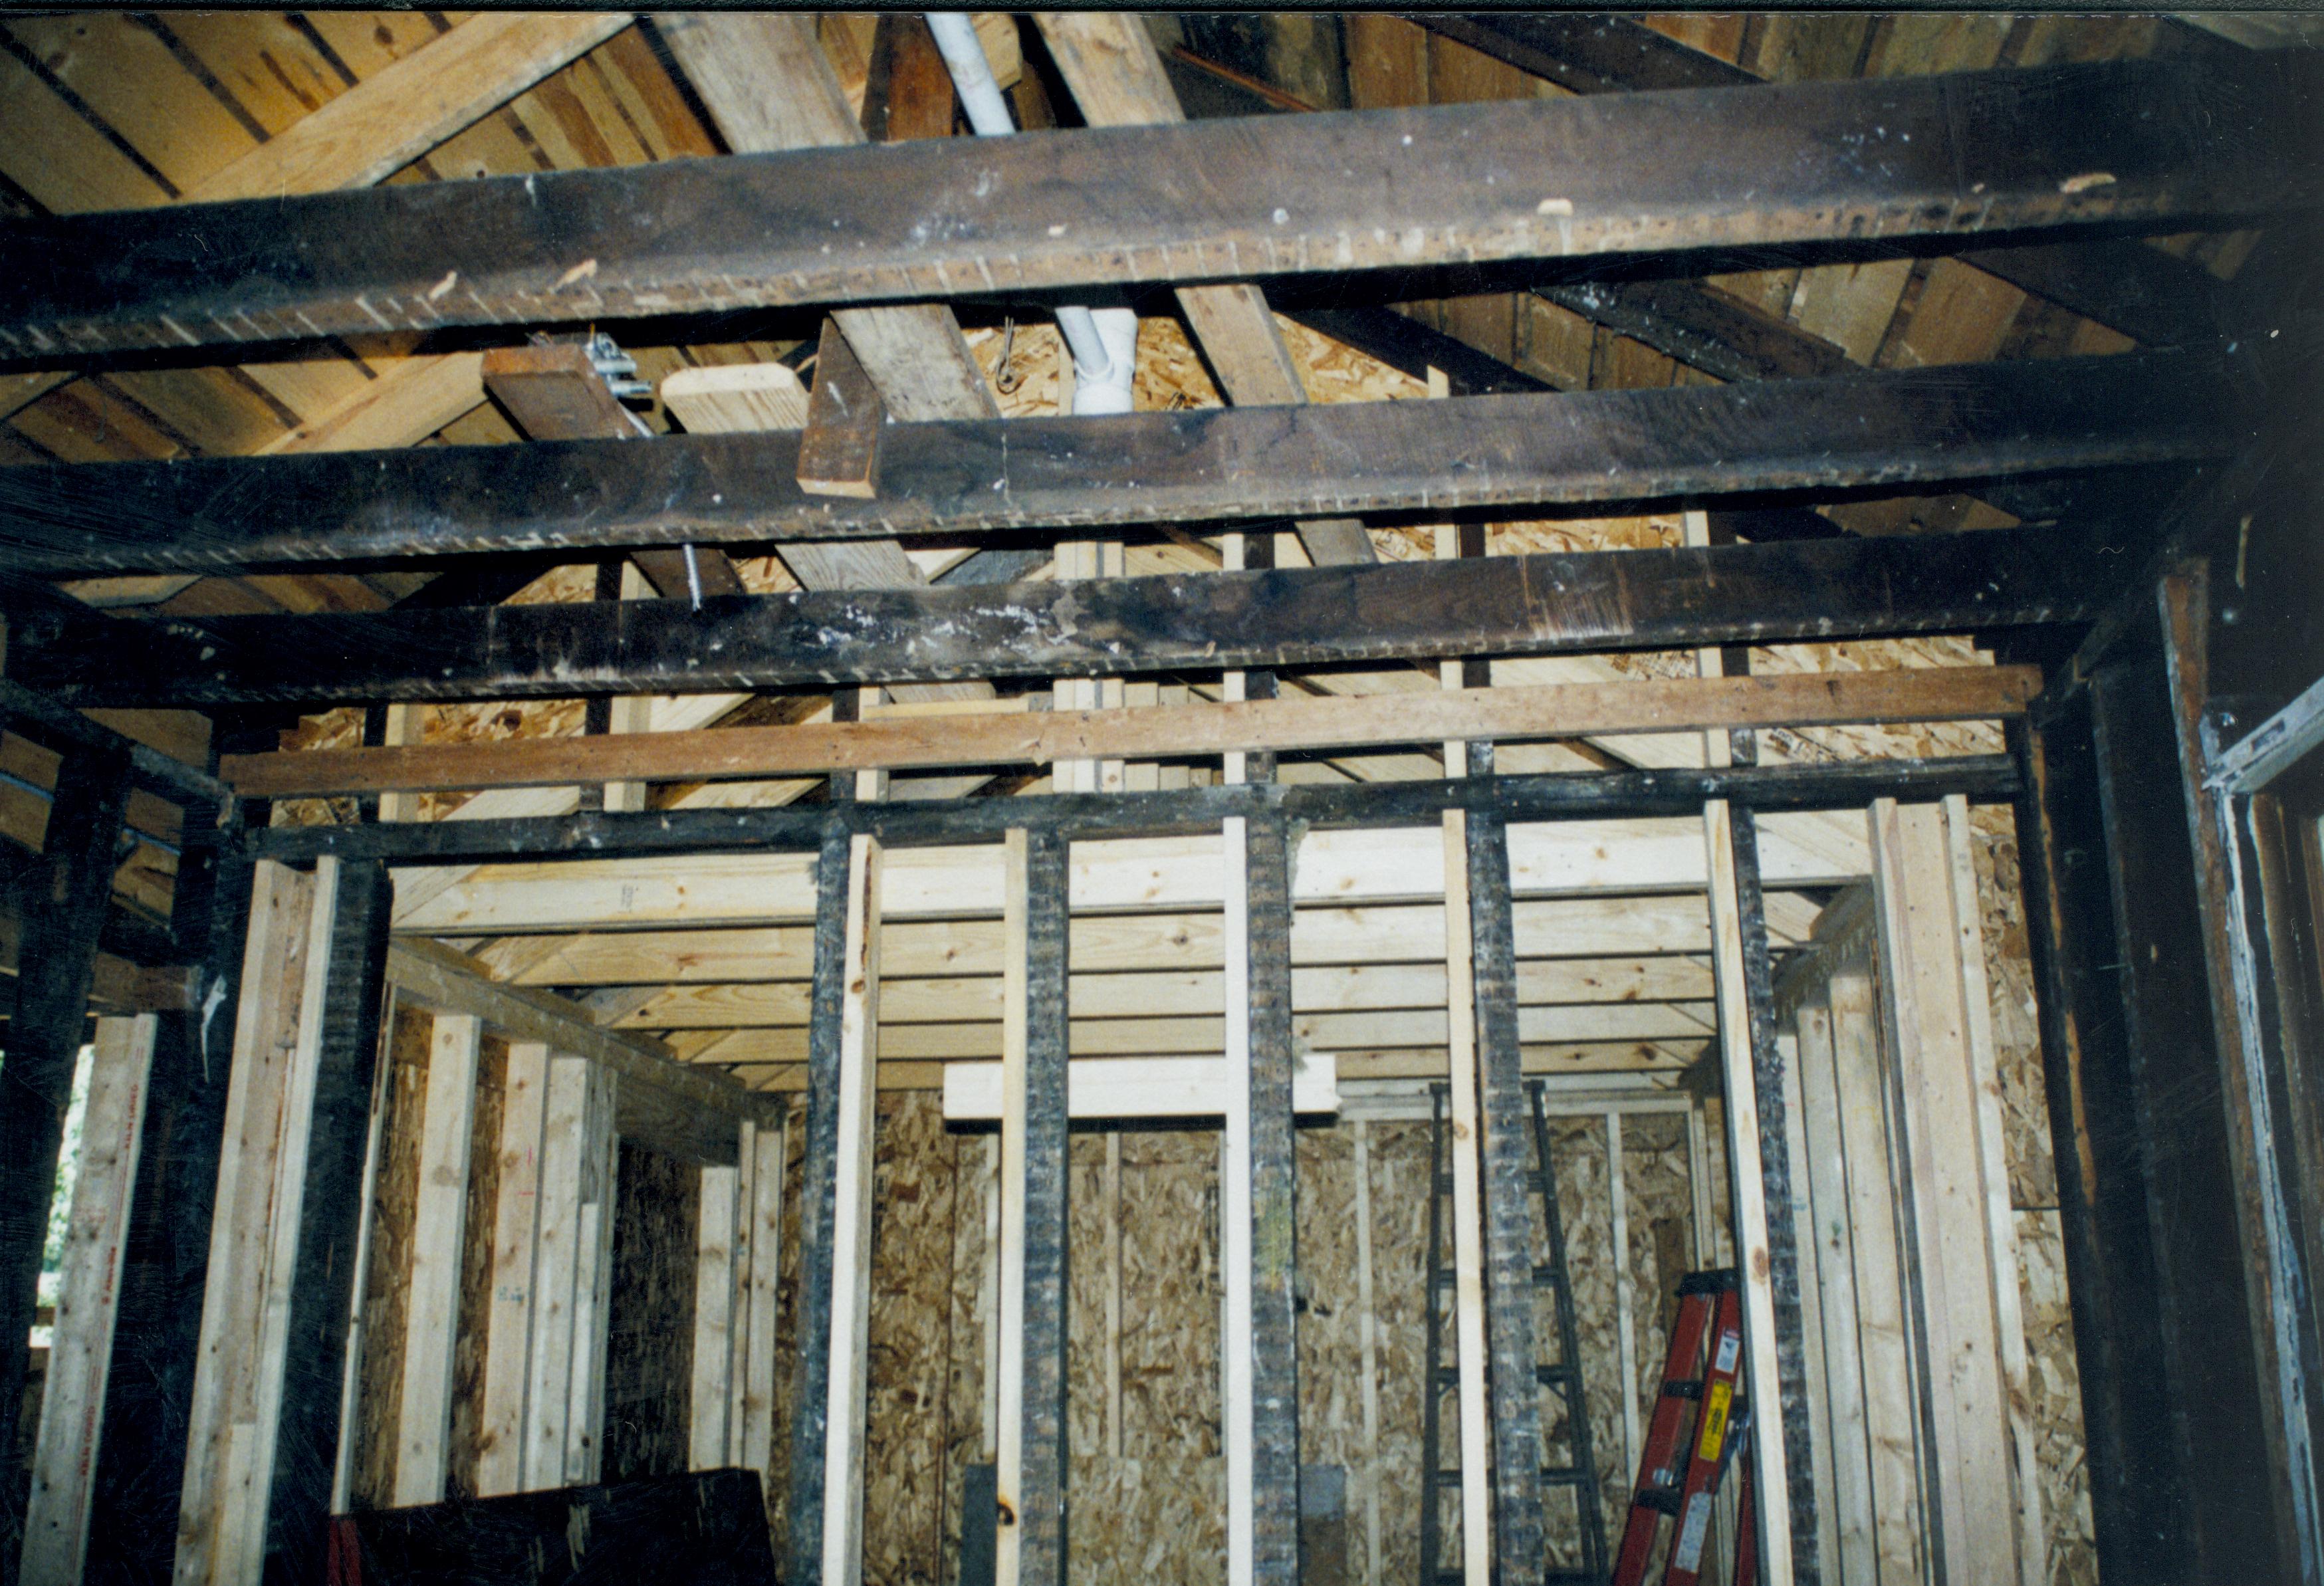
{"x": 1822, "y": 590}
{"x": 2148, "y": 142}
{"x": 2121, "y": 282}
{"x": 1900, "y": 429}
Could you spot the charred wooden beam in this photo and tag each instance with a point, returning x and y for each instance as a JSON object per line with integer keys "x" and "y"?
{"x": 1045, "y": 1488}
{"x": 2211, "y": 1381}
{"x": 2153, "y": 142}
{"x": 818, "y": 1254}
{"x": 1559, "y": 449}
{"x": 1506, "y": 1153}
{"x": 2121, "y": 282}
{"x": 1586, "y": 54}
{"x": 60, "y": 727}
{"x": 1595, "y": 795}
{"x": 710, "y": 1525}
{"x": 1274, "y": 1224}
{"x": 1571, "y": 602}
{"x": 1766, "y": 1082}
{"x": 330, "y": 1227}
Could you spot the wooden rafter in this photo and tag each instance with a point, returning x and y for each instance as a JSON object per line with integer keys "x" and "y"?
{"x": 1893, "y": 428}
{"x": 2116, "y": 142}
{"x": 1535, "y": 605}
{"x": 1569, "y": 710}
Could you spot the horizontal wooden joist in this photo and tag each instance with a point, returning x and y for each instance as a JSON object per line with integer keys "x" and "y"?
{"x": 2146, "y": 141}
{"x": 1649, "y": 1065}
{"x": 1285, "y": 725}
{"x": 1577, "y": 450}
{"x": 1409, "y": 1030}
{"x": 669, "y": 1105}
{"x": 1815, "y": 591}
{"x": 1337, "y": 868}
{"x": 1982, "y": 778}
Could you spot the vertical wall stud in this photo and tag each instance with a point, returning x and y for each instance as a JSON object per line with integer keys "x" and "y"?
{"x": 556, "y": 1261}
{"x": 810, "y": 1431}
{"x": 1508, "y": 1161}
{"x": 851, "y": 1220}
{"x": 1040, "y": 1515}
{"x": 757, "y": 1432}
{"x": 1747, "y": 1132}
{"x": 439, "y": 1226}
{"x": 714, "y": 1317}
{"x": 516, "y": 1222}
{"x": 1625, "y": 1325}
{"x": 72, "y": 888}
{"x": 1274, "y": 1240}
{"x": 738, "y": 1335}
{"x": 1467, "y": 1224}
{"x": 88, "y": 1294}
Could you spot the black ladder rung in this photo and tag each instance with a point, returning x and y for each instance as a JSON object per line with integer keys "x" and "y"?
{"x": 1687, "y": 1388}
{"x": 1572, "y": 1578}
{"x": 1448, "y": 1478}
{"x": 1546, "y": 1274}
{"x": 1567, "y": 1476}
{"x": 1662, "y": 1500}
{"x": 1559, "y": 1376}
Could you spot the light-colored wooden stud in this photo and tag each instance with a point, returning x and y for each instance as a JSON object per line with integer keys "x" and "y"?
{"x": 1625, "y": 1322}
{"x": 516, "y": 1220}
{"x": 557, "y": 1253}
{"x": 1236, "y": 1385}
{"x": 1468, "y": 1212}
{"x": 1770, "y": 1478}
{"x": 851, "y": 1283}
{"x": 438, "y": 1226}
{"x": 714, "y": 1317}
{"x": 756, "y": 1435}
{"x": 88, "y": 1303}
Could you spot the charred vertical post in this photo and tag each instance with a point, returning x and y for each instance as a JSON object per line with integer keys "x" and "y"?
{"x": 331, "y": 1218}
{"x": 1273, "y": 1249}
{"x": 2185, "y": 1149}
{"x": 149, "y": 1403}
{"x": 811, "y": 1404}
{"x": 1043, "y": 1499}
{"x": 2137, "y": 1503}
{"x": 1508, "y": 1165}
{"x": 1775, "y": 1172}
{"x": 64, "y": 910}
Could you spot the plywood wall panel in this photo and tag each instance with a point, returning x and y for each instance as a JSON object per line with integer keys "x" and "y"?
{"x": 650, "y": 1320}
{"x": 477, "y": 1269}
{"x": 403, "y": 1093}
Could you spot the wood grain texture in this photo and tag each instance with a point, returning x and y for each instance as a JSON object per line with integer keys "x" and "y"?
{"x": 1894, "y": 429}
{"x": 2116, "y": 142}
{"x": 839, "y": 450}
{"x": 1815, "y": 591}
{"x": 1520, "y": 712}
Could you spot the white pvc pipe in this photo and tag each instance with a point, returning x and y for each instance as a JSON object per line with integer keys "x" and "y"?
{"x": 1104, "y": 356}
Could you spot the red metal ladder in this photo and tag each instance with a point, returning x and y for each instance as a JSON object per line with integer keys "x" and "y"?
{"x": 1688, "y": 1451}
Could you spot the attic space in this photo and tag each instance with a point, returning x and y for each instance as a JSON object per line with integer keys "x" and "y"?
{"x": 1280, "y": 798}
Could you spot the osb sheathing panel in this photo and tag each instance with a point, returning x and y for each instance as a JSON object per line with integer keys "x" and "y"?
{"x": 1401, "y": 1171}
{"x": 403, "y": 1094}
{"x": 2056, "y": 1399}
{"x": 914, "y": 1427}
{"x": 1159, "y": 1511}
{"x": 469, "y": 1340}
{"x": 650, "y": 1318}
